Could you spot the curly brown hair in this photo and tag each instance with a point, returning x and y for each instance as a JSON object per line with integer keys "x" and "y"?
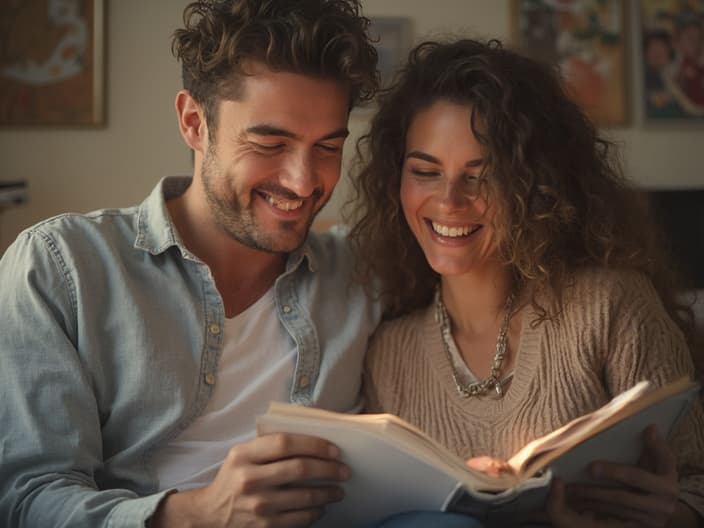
{"x": 560, "y": 196}
{"x": 325, "y": 38}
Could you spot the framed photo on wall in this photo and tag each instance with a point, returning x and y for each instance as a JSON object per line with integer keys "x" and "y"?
{"x": 51, "y": 62}
{"x": 392, "y": 38}
{"x": 672, "y": 61}
{"x": 586, "y": 39}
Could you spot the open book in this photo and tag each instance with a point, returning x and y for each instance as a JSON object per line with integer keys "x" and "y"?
{"x": 396, "y": 467}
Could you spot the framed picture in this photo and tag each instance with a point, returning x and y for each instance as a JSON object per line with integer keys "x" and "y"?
{"x": 672, "y": 61}
{"x": 51, "y": 62}
{"x": 392, "y": 37}
{"x": 586, "y": 39}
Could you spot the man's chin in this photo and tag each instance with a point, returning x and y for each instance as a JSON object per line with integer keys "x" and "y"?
{"x": 280, "y": 241}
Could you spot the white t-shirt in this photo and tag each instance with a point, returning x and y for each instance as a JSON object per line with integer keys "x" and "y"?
{"x": 256, "y": 367}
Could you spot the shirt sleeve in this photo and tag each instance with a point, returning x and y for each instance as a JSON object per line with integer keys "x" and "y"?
{"x": 50, "y": 440}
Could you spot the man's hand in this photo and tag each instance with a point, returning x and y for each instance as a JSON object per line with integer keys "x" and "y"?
{"x": 264, "y": 482}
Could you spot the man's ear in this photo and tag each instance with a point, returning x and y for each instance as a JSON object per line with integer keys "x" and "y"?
{"x": 191, "y": 120}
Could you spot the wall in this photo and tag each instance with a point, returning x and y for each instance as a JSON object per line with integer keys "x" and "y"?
{"x": 117, "y": 165}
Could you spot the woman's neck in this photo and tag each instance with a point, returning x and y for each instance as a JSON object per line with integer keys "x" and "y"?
{"x": 475, "y": 301}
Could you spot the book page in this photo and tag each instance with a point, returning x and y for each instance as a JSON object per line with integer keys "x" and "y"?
{"x": 389, "y": 429}
{"x": 539, "y": 453}
{"x": 576, "y": 429}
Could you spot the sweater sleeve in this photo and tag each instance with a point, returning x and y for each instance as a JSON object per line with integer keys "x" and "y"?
{"x": 644, "y": 343}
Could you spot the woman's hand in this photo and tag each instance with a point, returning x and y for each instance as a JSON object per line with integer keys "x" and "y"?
{"x": 648, "y": 494}
{"x": 489, "y": 465}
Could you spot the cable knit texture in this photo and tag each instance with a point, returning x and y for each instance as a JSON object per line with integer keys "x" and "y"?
{"x": 612, "y": 332}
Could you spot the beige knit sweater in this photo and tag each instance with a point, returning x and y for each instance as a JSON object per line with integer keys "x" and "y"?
{"x": 612, "y": 333}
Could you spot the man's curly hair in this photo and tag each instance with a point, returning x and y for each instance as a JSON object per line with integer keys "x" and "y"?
{"x": 325, "y": 38}
{"x": 560, "y": 197}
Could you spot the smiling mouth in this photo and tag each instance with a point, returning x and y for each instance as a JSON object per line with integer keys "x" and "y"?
{"x": 282, "y": 204}
{"x": 454, "y": 231}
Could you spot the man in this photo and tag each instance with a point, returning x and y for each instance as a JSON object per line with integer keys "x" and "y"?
{"x": 138, "y": 345}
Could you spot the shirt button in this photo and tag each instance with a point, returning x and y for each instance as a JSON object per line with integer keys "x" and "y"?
{"x": 303, "y": 382}
{"x": 210, "y": 378}
{"x": 214, "y": 329}
{"x": 286, "y": 308}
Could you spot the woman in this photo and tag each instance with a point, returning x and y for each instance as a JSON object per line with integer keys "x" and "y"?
{"x": 522, "y": 277}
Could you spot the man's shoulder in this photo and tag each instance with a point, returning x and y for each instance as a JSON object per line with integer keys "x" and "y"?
{"x": 69, "y": 239}
{"x": 330, "y": 249}
{"x": 73, "y": 228}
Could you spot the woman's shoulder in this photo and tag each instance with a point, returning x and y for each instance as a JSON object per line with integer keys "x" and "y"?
{"x": 608, "y": 284}
{"x": 405, "y": 326}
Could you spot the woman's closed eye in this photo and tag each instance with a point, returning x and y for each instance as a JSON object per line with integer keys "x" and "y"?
{"x": 425, "y": 173}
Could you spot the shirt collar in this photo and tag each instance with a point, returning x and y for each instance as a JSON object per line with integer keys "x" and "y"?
{"x": 307, "y": 251}
{"x": 156, "y": 232}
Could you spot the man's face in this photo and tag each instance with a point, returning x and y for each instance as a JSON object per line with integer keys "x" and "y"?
{"x": 276, "y": 158}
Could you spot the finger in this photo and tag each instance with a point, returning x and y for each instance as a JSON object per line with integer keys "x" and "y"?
{"x": 634, "y": 477}
{"x": 621, "y": 503}
{"x": 292, "y": 519}
{"x": 556, "y": 507}
{"x": 489, "y": 465}
{"x": 289, "y": 471}
{"x": 271, "y": 447}
{"x": 663, "y": 459}
{"x": 563, "y": 516}
{"x": 622, "y": 514}
{"x": 276, "y": 501}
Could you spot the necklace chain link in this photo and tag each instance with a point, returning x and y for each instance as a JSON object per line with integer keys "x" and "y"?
{"x": 477, "y": 388}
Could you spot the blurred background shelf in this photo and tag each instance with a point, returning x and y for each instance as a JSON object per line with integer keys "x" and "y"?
{"x": 13, "y": 193}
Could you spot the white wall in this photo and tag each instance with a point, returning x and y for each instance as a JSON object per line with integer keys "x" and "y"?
{"x": 117, "y": 165}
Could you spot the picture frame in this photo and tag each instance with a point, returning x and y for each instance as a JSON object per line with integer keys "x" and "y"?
{"x": 392, "y": 37}
{"x": 587, "y": 41}
{"x": 51, "y": 62}
{"x": 671, "y": 73}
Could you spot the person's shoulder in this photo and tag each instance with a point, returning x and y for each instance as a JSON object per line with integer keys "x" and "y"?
{"x": 601, "y": 286}
{"x": 332, "y": 240}
{"x": 397, "y": 344}
{"x": 599, "y": 280}
{"x": 330, "y": 249}
{"x": 406, "y": 328}
{"x": 75, "y": 230}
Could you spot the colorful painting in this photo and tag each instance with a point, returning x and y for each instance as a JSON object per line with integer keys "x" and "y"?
{"x": 586, "y": 39}
{"x": 672, "y": 44}
{"x": 51, "y": 62}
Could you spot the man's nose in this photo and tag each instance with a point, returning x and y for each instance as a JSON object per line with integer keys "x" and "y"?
{"x": 300, "y": 175}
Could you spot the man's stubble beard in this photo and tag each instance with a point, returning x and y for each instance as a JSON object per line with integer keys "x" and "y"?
{"x": 237, "y": 222}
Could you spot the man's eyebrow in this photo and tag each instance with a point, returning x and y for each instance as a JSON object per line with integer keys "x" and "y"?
{"x": 339, "y": 133}
{"x": 432, "y": 159}
{"x": 270, "y": 130}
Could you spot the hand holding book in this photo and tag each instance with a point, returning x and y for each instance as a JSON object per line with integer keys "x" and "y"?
{"x": 396, "y": 467}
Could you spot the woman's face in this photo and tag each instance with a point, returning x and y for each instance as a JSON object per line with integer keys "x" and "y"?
{"x": 440, "y": 191}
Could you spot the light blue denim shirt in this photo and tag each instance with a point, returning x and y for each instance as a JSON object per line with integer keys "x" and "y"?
{"x": 109, "y": 345}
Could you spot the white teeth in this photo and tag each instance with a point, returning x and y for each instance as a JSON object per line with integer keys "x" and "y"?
{"x": 453, "y": 232}
{"x": 284, "y": 205}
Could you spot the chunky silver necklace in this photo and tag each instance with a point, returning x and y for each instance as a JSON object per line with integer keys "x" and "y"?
{"x": 478, "y": 388}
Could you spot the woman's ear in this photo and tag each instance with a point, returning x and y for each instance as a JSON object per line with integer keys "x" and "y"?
{"x": 191, "y": 120}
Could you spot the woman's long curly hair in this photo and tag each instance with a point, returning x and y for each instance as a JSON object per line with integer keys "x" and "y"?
{"x": 325, "y": 38}
{"x": 560, "y": 197}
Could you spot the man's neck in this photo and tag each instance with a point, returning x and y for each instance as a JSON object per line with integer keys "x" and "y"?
{"x": 242, "y": 274}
